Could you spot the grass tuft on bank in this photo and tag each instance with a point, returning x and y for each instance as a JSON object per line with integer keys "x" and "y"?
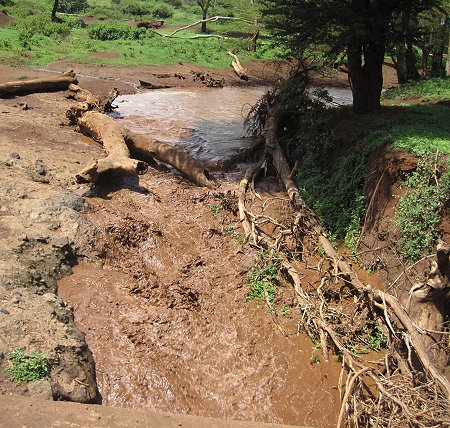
{"x": 437, "y": 88}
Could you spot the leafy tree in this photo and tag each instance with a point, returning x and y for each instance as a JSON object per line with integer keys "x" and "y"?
{"x": 358, "y": 28}
{"x": 204, "y": 5}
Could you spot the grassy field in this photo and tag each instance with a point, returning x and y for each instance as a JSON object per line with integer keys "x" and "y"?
{"x": 32, "y": 39}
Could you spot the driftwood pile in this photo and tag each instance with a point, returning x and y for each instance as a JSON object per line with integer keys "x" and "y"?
{"x": 403, "y": 387}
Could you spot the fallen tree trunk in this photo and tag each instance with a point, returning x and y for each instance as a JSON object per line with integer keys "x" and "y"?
{"x": 237, "y": 66}
{"x": 406, "y": 333}
{"x": 57, "y": 83}
{"x": 112, "y": 135}
{"x": 118, "y": 142}
{"x": 191, "y": 168}
{"x": 88, "y": 102}
{"x": 149, "y": 85}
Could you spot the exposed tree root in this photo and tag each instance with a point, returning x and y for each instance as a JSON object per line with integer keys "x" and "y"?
{"x": 57, "y": 83}
{"x": 404, "y": 387}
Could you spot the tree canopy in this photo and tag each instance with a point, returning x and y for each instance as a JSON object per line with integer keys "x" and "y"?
{"x": 359, "y": 29}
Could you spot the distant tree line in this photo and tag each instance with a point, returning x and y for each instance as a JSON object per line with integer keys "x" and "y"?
{"x": 364, "y": 32}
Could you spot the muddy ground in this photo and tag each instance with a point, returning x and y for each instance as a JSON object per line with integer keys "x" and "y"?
{"x": 158, "y": 283}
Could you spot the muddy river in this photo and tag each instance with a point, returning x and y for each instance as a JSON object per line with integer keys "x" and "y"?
{"x": 162, "y": 300}
{"x": 206, "y": 122}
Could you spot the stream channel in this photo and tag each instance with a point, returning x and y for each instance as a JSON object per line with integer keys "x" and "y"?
{"x": 165, "y": 313}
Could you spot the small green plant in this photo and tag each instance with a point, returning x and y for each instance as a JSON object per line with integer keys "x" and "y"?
{"x": 215, "y": 209}
{"x": 239, "y": 238}
{"x": 26, "y": 368}
{"x": 22, "y": 77}
{"x": 419, "y": 210}
{"x": 313, "y": 359}
{"x": 285, "y": 310}
{"x": 264, "y": 281}
{"x": 229, "y": 230}
{"x": 376, "y": 338}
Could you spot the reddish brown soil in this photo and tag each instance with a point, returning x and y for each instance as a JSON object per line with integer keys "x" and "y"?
{"x": 4, "y": 19}
{"x": 186, "y": 339}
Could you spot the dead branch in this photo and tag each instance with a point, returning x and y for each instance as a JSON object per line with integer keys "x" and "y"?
{"x": 212, "y": 19}
{"x": 395, "y": 401}
{"x": 191, "y": 168}
{"x": 112, "y": 136}
{"x": 58, "y": 83}
{"x": 237, "y": 66}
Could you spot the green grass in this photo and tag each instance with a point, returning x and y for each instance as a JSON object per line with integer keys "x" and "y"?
{"x": 425, "y": 90}
{"x": 416, "y": 128}
{"x": 264, "y": 280}
{"x": 419, "y": 211}
{"x": 35, "y": 41}
{"x": 26, "y": 368}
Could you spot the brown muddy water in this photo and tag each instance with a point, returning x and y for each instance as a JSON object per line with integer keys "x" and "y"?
{"x": 206, "y": 122}
{"x": 164, "y": 309}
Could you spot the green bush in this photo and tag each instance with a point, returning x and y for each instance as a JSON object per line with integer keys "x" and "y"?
{"x": 162, "y": 11}
{"x": 419, "y": 211}
{"x": 116, "y": 31}
{"x": 136, "y": 8}
{"x": 26, "y": 368}
{"x": 72, "y": 6}
{"x": 42, "y": 24}
{"x": 177, "y": 4}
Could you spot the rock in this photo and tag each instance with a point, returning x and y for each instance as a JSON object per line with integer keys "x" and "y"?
{"x": 14, "y": 155}
{"x": 72, "y": 375}
{"x": 61, "y": 242}
{"x": 40, "y": 168}
{"x": 41, "y": 389}
{"x": 50, "y": 297}
{"x": 4, "y": 311}
{"x": 24, "y": 238}
{"x": 42, "y": 239}
{"x": 17, "y": 297}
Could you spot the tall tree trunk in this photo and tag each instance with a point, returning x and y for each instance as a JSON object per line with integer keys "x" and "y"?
{"x": 366, "y": 78}
{"x": 55, "y": 8}
{"x": 204, "y": 18}
{"x": 447, "y": 67}
{"x": 406, "y": 61}
{"x": 437, "y": 59}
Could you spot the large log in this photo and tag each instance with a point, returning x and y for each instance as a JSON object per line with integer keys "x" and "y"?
{"x": 118, "y": 142}
{"x": 112, "y": 135}
{"x": 191, "y": 168}
{"x": 58, "y": 83}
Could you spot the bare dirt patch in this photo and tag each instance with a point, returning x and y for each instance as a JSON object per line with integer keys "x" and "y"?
{"x": 4, "y": 19}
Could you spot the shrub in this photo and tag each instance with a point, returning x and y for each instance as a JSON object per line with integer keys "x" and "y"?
{"x": 136, "y": 8}
{"x": 115, "y": 31}
{"x": 42, "y": 24}
{"x": 161, "y": 10}
{"x": 177, "y": 4}
{"x": 26, "y": 368}
{"x": 419, "y": 210}
{"x": 72, "y": 6}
